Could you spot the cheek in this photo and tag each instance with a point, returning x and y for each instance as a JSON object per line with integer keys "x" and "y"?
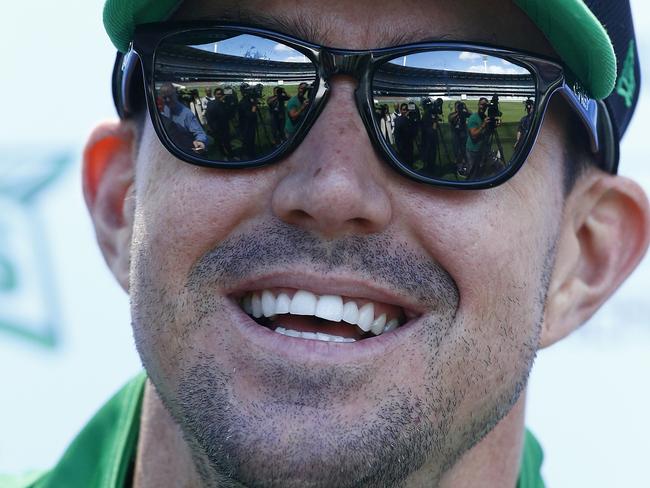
{"x": 494, "y": 243}
{"x": 496, "y": 246}
{"x": 183, "y": 211}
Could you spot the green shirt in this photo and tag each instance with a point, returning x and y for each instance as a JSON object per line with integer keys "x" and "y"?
{"x": 103, "y": 454}
{"x": 289, "y": 125}
{"x": 474, "y": 122}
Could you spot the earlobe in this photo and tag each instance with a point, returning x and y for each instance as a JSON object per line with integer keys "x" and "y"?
{"x": 605, "y": 233}
{"x": 108, "y": 171}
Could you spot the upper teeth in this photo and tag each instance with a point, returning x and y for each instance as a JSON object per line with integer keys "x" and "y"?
{"x": 328, "y": 307}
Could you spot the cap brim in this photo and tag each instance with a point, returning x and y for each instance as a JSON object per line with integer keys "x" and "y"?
{"x": 121, "y": 16}
{"x": 579, "y": 39}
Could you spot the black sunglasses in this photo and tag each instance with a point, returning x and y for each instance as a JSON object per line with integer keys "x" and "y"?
{"x": 450, "y": 114}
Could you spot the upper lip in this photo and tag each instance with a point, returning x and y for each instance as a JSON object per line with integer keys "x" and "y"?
{"x": 327, "y": 284}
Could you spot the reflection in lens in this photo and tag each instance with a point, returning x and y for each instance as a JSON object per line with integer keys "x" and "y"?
{"x": 454, "y": 115}
{"x": 227, "y": 96}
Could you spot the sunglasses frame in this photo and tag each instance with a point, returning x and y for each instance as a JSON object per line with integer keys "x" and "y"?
{"x": 549, "y": 76}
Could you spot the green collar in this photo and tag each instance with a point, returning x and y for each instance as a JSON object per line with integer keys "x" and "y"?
{"x": 103, "y": 453}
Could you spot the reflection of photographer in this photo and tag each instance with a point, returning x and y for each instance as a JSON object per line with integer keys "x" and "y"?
{"x": 196, "y": 107}
{"x": 482, "y": 128}
{"x": 526, "y": 121}
{"x": 478, "y": 126}
{"x": 405, "y": 131}
{"x": 413, "y": 112}
{"x": 431, "y": 112}
{"x": 181, "y": 124}
{"x": 458, "y": 122}
{"x": 437, "y": 107}
{"x": 218, "y": 118}
{"x": 458, "y": 118}
{"x": 231, "y": 100}
{"x": 277, "y": 111}
{"x": 386, "y": 124}
{"x": 247, "y": 109}
{"x": 297, "y": 108}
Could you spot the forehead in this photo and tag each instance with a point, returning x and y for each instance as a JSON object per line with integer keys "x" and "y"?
{"x": 366, "y": 24}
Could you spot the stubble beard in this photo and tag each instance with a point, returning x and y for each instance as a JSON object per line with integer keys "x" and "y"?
{"x": 299, "y": 439}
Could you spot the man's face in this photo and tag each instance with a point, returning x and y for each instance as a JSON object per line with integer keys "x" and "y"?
{"x": 168, "y": 95}
{"x": 465, "y": 272}
{"x": 302, "y": 88}
{"x": 482, "y": 106}
{"x": 218, "y": 94}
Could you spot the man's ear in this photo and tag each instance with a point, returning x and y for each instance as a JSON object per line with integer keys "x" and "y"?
{"x": 108, "y": 172}
{"x": 605, "y": 233}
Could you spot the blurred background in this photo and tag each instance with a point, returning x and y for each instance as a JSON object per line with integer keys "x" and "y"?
{"x": 65, "y": 338}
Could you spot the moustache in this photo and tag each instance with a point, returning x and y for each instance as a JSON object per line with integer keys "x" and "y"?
{"x": 379, "y": 258}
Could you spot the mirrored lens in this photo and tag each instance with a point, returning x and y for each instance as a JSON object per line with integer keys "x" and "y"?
{"x": 454, "y": 115}
{"x": 231, "y": 97}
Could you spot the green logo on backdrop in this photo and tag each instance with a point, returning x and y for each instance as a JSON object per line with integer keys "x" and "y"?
{"x": 626, "y": 85}
{"x": 28, "y": 298}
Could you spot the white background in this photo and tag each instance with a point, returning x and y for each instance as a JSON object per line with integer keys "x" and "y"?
{"x": 588, "y": 398}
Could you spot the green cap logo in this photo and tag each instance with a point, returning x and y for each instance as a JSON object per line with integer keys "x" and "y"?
{"x": 626, "y": 85}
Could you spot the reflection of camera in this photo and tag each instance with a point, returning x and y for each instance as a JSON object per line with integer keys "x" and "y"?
{"x": 230, "y": 99}
{"x": 432, "y": 108}
{"x": 459, "y": 116}
{"x": 257, "y": 90}
{"x": 529, "y": 104}
{"x": 461, "y": 110}
{"x": 437, "y": 106}
{"x": 276, "y": 101}
{"x": 493, "y": 112}
{"x": 252, "y": 92}
{"x": 413, "y": 113}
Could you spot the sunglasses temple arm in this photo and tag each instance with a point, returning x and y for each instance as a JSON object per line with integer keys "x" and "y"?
{"x": 587, "y": 110}
{"x": 124, "y": 70}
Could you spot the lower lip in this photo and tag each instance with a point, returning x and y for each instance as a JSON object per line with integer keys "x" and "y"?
{"x": 305, "y": 350}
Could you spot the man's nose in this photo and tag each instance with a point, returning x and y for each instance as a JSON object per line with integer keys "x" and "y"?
{"x": 334, "y": 183}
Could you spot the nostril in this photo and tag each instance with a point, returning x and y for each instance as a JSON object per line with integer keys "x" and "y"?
{"x": 317, "y": 172}
{"x": 300, "y": 215}
{"x": 366, "y": 225}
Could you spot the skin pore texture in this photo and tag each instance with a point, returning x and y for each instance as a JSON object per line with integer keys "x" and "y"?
{"x": 439, "y": 404}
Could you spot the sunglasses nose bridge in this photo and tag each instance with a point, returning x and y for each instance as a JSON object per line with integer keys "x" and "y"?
{"x": 353, "y": 64}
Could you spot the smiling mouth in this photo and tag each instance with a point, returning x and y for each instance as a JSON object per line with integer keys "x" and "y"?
{"x": 330, "y": 318}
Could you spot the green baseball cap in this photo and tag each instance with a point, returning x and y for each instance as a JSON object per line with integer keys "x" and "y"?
{"x": 572, "y": 29}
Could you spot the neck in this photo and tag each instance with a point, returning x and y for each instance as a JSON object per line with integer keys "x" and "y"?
{"x": 494, "y": 461}
{"x": 163, "y": 457}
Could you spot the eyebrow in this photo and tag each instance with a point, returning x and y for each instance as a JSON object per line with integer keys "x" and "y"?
{"x": 314, "y": 30}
